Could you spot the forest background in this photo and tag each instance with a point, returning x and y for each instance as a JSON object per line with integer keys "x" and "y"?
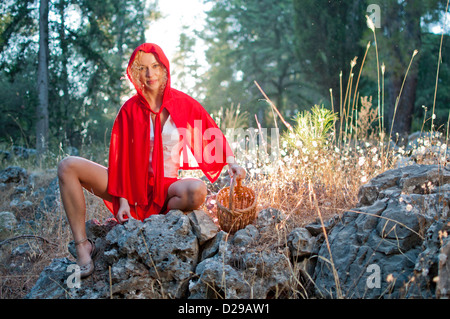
{"x": 382, "y": 66}
{"x": 63, "y": 64}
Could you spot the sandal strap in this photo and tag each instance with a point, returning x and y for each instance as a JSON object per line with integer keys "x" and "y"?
{"x": 81, "y": 241}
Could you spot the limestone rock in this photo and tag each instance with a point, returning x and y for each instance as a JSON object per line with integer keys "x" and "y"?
{"x": 301, "y": 243}
{"x": 387, "y": 247}
{"x": 443, "y": 286}
{"x": 243, "y": 269}
{"x": 7, "y": 221}
{"x": 393, "y": 244}
{"x": 203, "y": 226}
{"x": 13, "y": 174}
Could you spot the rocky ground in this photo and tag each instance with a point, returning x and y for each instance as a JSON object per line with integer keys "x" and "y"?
{"x": 394, "y": 244}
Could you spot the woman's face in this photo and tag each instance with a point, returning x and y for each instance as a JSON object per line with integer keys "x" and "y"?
{"x": 151, "y": 73}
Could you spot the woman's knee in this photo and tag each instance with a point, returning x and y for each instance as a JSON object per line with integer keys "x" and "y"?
{"x": 187, "y": 194}
{"x": 197, "y": 192}
{"x": 67, "y": 166}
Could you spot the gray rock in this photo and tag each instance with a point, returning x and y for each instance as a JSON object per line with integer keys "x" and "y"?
{"x": 5, "y": 155}
{"x": 241, "y": 268}
{"x": 301, "y": 243}
{"x": 387, "y": 247}
{"x": 23, "y": 256}
{"x": 212, "y": 247}
{"x": 426, "y": 269}
{"x": 25, "y": 207}
{"x": 242, "y": 275}
{"x": 51, "y": 201}
{"x": 24, "y": 152}
{"x": 245, "y": 236}
{"x": 443, "y": 286}
{"x": 13, "y": 174}
{"x": 52, "y": 282}
{"x": 151, "y": 259}
{"x": 316, "y": 228}
{"x": 269, "y": 217}
{"x": 203, "y": 226}
{"x": 8, "y": 221}
{"x": 165, "y": 244}
{"x": 216, "y": 280}
{"x": 414, "y": 179}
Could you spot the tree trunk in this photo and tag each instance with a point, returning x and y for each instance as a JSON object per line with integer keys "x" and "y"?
{"x": 407, "y": 17}
{"x": 42, "y": 107}
{"x": 64, "y": 104}
{"x": 405, "y": 108}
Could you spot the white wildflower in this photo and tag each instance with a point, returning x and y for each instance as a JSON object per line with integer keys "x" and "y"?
{"x": 370, "y": 23}
{"x": 361, "y": 161}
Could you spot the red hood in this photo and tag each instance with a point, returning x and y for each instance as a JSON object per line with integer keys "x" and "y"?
{"x": 160, "y": 56}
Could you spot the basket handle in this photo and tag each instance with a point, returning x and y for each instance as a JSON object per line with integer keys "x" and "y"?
{"x": 233, "y": 183}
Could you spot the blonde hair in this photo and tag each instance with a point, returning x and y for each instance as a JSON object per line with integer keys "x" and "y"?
{"x": 134, "y": 71}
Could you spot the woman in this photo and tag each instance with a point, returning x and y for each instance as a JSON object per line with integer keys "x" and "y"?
{"x": 156, "y": 132}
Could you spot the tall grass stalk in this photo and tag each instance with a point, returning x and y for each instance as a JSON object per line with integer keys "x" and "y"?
{"x": 344, "y": 112}
{"x": 359, "y": 74}
{"x": 335, "y": 273}
{"x": 356, "y": 115}
{"x": 371, "y": 25}
{"x": 383, "y": 69}
{"x": 274, "y": 107}
{"x": 340, "y": 109}
{"x": 348, "y": 113}
{"x": 438, "y": 66}
{"x": 446, "y": 138}
{"x": 332, "y": 109}
{"x": 398, "y": 98}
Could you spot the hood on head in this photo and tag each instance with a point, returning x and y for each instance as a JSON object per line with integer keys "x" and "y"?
{"x": 160, "y": 56}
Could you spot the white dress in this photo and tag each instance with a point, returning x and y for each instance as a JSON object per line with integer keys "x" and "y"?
{"x": 170, "y": 138}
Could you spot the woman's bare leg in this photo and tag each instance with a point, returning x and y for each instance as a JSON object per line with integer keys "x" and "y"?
{"x": 186, "y": 194}
{"x": 74, "y": 173}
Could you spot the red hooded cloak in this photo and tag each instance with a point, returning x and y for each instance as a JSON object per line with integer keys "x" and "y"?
{"x": 130, "y": 145}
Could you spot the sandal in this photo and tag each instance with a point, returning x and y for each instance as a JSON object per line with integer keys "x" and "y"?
{"x": 87, "y": 269}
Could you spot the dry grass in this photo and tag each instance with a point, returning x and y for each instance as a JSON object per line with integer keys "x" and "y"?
{"x": 332, "y": 174}
{"x": 47, "y": 234}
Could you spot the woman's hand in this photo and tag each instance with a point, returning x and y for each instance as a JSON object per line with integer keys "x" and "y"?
{"x": 124, "y": 211}
{"x": 236, "y": 171}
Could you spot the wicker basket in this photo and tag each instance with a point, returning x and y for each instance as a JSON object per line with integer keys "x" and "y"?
{"x": 237, "y": 211}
